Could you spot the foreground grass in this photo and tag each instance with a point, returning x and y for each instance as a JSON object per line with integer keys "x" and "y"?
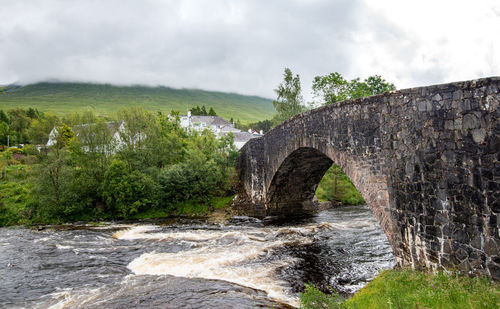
{"x": 413, "y": 289}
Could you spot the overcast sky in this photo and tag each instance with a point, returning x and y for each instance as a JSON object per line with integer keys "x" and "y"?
{"x": 244, "y": 46}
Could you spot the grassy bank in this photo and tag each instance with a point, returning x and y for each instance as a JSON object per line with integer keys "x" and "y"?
{"x": 413, "y": 289}
{"x": 15, "y": 202}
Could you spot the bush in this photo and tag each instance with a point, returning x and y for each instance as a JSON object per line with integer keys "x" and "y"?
{"x": 182, "y": 182}
{"x": 128, "y": 192}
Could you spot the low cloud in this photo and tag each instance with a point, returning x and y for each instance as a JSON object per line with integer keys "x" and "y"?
{"x": 237, "y": 46}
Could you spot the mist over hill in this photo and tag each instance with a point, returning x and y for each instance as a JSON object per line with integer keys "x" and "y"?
{"x": 63, "y": 98}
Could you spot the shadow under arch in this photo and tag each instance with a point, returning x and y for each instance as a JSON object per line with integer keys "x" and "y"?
{"x": 294, "y": 184}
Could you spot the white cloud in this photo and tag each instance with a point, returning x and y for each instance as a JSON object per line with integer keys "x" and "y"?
{"x": 243, "y": 46}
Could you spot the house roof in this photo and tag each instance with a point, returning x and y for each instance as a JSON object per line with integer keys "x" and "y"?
{"x": 113, "y": 127}
{"x": 210, "y": 120}
{"x": 242, "y": 136}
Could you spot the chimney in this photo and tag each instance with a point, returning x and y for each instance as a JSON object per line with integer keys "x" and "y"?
{"x": 261, "y": 132}
{"x": 189, "y": 114}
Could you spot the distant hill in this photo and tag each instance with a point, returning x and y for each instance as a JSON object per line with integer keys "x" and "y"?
{"x": 65, "y": 98}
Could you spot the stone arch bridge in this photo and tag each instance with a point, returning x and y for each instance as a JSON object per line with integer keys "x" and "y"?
{"x": 426, "y": 160}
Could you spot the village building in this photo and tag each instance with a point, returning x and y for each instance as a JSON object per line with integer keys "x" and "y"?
{"x": 219, "y": 126}
{"x": 116, "y": 130}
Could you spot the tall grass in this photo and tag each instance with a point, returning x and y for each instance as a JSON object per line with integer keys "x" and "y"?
{"x": 398, "y": 289}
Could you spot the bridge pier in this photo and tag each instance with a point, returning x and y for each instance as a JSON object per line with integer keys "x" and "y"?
{"x": 426, "y": 160}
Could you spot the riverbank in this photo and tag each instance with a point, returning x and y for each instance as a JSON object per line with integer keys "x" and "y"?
{"x": 15, "y": 204}
{"x": 405, "y": 288}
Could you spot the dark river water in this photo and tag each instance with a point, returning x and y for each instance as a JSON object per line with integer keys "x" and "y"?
{"x": 243, "y": 263}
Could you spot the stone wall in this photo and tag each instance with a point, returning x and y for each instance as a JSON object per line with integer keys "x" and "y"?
{"x": 426, "y": 160}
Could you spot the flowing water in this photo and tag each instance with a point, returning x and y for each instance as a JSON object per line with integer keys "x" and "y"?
{"x": 243, "y": 263}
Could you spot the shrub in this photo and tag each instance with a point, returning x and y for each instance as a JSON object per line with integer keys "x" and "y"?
{"x": 128, "y": 192}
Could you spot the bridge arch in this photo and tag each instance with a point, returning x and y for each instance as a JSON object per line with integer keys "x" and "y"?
{"x": 426, "y": 160}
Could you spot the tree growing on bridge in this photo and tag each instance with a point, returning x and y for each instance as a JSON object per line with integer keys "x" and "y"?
{"x": 329, "y": 89}
{"x": 334, "y": 87}
{"x": 289, "y": 101}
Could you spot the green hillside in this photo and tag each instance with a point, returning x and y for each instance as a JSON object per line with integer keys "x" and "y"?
{"x": 64, "y": 98}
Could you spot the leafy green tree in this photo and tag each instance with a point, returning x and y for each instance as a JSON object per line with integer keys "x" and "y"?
{"x": 289, "y": 101}
{"x": 196, "y": 111}
{"x": 40, "y": 128}
{"x": 4, "y": 117}
{"x": 128, "y": 192}
{"x": 134, "y": 134}
{"x": 203, "y": 111}
{"x": 32, "y": 113}
{"x": 334, "y": 87}
{"x": 211, "y": 112}
{"x": 64, "y": 136}
{"x": 19, "y": 124}
{"x": 4, "y": 132}
{"x": 264, "y": 125}
{"x": 55, "y": 200}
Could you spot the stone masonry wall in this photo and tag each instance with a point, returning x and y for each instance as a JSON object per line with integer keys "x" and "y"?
{"x": 426, "y": 160}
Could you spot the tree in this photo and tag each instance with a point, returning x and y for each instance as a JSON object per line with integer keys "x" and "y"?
{"x": 4, "y": 117}
{"x": 203, "y": 111}
{"x": 4, "y": 132}
{"x": 289, "y": 98}
{"x": 40, "y": 128}
{"x": 211, "y": 112}
{"x": 333, "y": 87}
{"x": 64, "y": 136}
{"x": 19, "y": 124}
{"x": 128, "y": 192}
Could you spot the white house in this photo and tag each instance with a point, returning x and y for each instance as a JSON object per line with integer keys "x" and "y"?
{"x": 218, "y": 125}
{"x": 116, "y": 129}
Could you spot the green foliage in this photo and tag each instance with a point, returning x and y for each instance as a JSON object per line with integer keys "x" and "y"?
{"x": 313, "y": 298}
{"x": 264, "y": 125}
{"x": 126, "y": 192}
{"x": 19, "y": 122}
{"x": 335, "y": 186}
{"x": 39, "y": 130}
{"x": 333, "y": 87}
{"x": 4, "y": 132}
{"x": 64, "y": 98}
{"x": 14, "y": 195}
{"x": 289, "y": 100}
{"x": 197, "y": 111}
{"x": 4, "y": 117}
{"x": 154, "y": 166}
{"x": 55, "y": 199}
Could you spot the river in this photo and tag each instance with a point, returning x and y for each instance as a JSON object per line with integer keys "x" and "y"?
{"x": 181, "y": 263}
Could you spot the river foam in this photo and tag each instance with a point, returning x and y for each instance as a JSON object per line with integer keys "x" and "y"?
{"x": 240, "y": 256}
